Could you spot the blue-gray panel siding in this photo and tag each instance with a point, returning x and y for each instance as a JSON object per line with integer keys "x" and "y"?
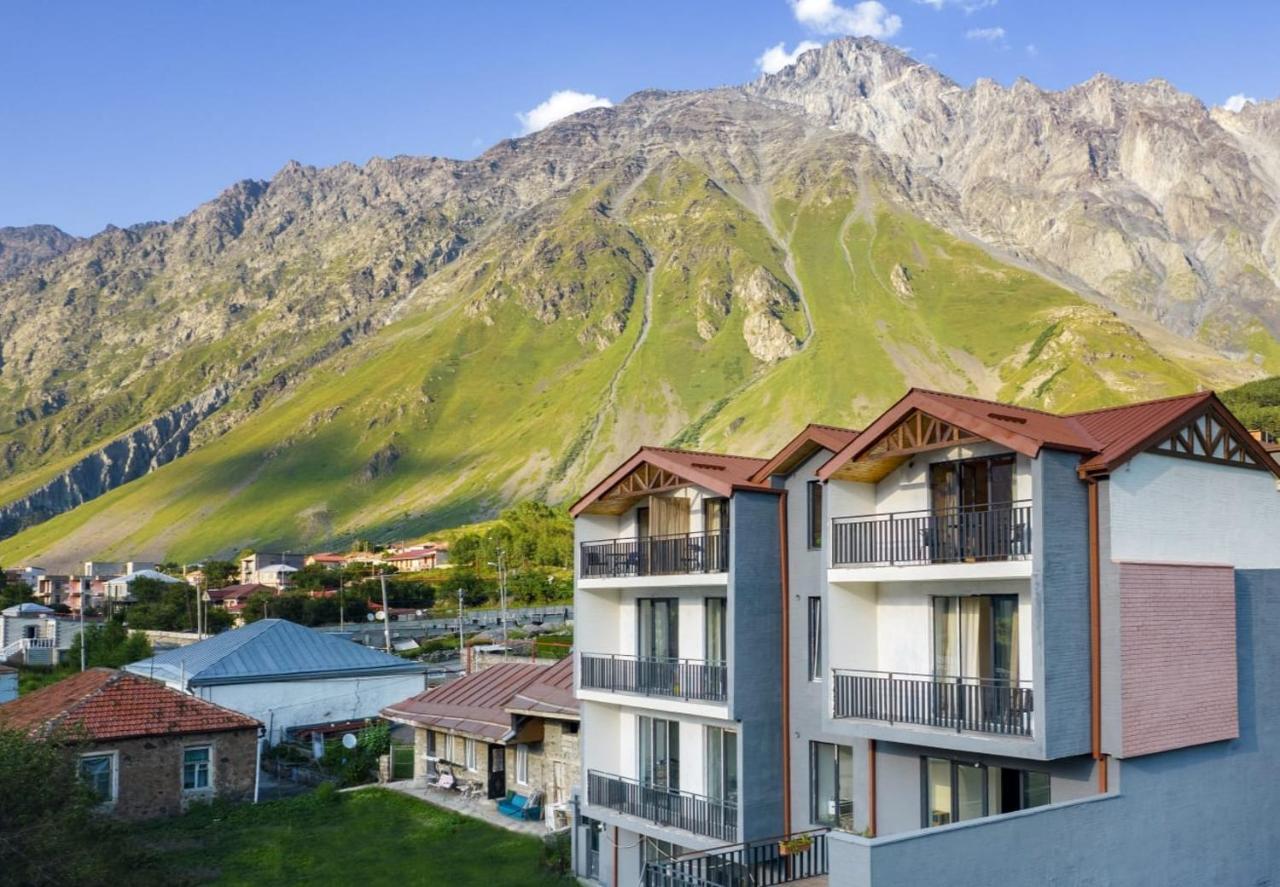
{"x": 1187, "y": 818}
{"x": 755, "y": 682}
{"x": 1060, "y": 601}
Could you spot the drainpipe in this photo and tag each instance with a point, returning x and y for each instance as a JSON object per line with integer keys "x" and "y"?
{"x": 257, "y": 765}
{"x": 784, "y": 559}
{"x": 871, "y": 787}
{"x": 1095, "y": 635}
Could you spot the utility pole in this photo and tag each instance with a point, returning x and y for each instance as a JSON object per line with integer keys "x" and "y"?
{"x": 462, "y": 662}
{"x": 502, "y": 595}
{"x": 386, "y": 617}
{"x": 83, "y": 640}
{"x": 342, "y": 620}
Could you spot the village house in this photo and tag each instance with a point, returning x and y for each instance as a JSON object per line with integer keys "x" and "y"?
{"x": 119, "y": 589}
{"x": 145, "y": 750}
{"x": 234, "y": 598}
{"x": 253, "y": 565}
{"x": 286, "y": 675}
{"x": 510, "y": 729}
{"x": 33, "y": 634}
{"x": 413, "y": 560}
{"x": 327, "y": 559}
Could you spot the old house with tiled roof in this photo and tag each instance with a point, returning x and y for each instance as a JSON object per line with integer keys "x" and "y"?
{"x": 145, "y": 750}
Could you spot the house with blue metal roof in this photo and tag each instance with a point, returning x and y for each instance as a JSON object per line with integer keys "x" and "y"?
{"x": 287, "y": 675}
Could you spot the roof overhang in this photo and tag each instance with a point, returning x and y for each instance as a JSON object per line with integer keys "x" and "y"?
{"x": 651, "y": 470}
{"x": 811, "y": 439}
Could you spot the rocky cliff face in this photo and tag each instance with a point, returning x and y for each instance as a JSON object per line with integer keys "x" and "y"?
{"x": 23, "y": 247}
{"x": 710, "y": 268}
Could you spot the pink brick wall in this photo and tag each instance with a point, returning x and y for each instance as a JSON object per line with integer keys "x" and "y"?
{"x": 1177, "y": 656}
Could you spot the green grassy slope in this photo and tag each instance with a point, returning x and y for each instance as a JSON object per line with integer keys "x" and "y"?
{"x": 535, "y": 364}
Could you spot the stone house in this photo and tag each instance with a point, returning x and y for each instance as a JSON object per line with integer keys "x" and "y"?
{"x": 144, "y": 749}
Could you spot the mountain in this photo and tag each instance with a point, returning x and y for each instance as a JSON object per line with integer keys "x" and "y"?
{"x": 377, "y": 350}
{"x": 23, "y": 247}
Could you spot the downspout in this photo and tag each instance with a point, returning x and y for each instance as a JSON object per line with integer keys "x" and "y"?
{"x": 1095, "y": 635}
{"x": 785, "y": 561}
{"x": 871, "y": 787}
{"x": 257, "y": 764}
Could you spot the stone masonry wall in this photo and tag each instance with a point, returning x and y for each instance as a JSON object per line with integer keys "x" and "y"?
{"x": 150, "y": 771}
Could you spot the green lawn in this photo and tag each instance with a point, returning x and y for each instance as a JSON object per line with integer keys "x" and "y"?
{"x": 371, "y": 837}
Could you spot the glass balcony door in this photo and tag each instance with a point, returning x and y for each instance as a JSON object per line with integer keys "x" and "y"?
{"x": 659, "y": 765}
{"x": 657, "y": 645}
{"x": 972, "y": 509}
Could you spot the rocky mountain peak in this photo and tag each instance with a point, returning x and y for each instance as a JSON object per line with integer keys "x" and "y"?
{"x": 20, "y": 248}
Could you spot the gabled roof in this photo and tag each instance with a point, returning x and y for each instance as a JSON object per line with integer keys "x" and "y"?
{"x": 1105, "y": 438}
{"x": 108, "y": 704}
{"x": 800, "y": 448}
{"x": 718, "y": 472}
{"x": 474, "y": 704}
{"x": 237, "y": 592}
{"x": 143, "y": 574}
{"x": 26, "y": 609}
{"x": 550, "y": 696}
{"x": 270, "y": 650}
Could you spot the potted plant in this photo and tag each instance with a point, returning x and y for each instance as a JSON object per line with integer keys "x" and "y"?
{"x": 789, "y": 846}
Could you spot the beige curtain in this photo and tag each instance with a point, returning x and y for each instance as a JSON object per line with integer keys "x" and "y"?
{"x": 668, "y": 516}
{"x": 975, "y": 624}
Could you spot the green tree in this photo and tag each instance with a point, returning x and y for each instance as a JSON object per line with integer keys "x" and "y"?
{"x": 49, "y": 834}
{"x": 110, "y": 645}
{"x": 220, "y": 574}
{"x": 162, "y": 606}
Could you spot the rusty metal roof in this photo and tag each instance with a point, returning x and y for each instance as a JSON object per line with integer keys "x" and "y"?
{"x": 474, "y": 704}
{"x": 549, "y": 696}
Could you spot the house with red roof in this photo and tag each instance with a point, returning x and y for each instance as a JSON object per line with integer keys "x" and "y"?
{"x": 969, "y": 625}
{"x": 506, "y": 729}
{"x": 144, "y": 749}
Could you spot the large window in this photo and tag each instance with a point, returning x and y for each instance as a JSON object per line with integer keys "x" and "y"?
{"x": 831, "y": 785}
{"x": 956, "y": 791}
{"x": 815, "y": 639}
{"x": 658, "y": 628}
{"x": 714, "y": 613}
{"x": 976, "y": 637}
{"x": 715, "y": 515}
{"x": 522, "y": 764}
{"x": 722, "y": 765}
{"x": 99, "y": 774}
{"x": 469, "y": 754}
{"x": 659, "y": 764}
{"x": 814, "y": 512}
{"x": 196, "y": 762}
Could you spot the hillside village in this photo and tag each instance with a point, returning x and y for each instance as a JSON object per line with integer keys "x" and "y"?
{"x": 998, "y": 565}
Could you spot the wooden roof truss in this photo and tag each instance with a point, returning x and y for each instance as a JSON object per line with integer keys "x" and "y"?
{"x": 1207, "y": 439}
{"x": 918, "y": 432}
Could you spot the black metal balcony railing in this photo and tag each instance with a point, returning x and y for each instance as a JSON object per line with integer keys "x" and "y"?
{"x": 649, "y": 676}
{"x": 972, "y": 705}
{"x": 691, "y": 812}
{"x": 760, "y": 863}
{"x": 971, "y": 533}
{"x": 656, "y": 555}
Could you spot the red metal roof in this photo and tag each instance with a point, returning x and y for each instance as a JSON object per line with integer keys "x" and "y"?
{"x": 551, "y": 695}
{"x": 237, "y": 592}
{"x": 719, "y": 472}
{"x": 1105, "y": 438}
{"x": 810, "y": 440}
{"x": 109, "y": 704}
{"x": 474, "y": 704}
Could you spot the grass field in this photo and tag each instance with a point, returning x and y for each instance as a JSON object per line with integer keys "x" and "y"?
{"x": 371, "y": 837}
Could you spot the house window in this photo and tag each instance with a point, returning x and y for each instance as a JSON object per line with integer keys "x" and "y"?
{"x": 722, "y": 765}
{"x": 469, "y": 753}
{"x": 195, "y": 768}
{"x": 814, "y": 502}
{"x": 99, "y": 774}
{"x": 956, "y": 791}
{"x": 831, "y": 785}
{"x": 431, "y": 744}
{"x": 522, "y": 764}
{"x": 714, "y": 626}
{"x": 815, "y": 638}
{"x": 659, "y": 753}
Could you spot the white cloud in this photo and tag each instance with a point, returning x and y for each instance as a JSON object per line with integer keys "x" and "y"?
{"x": 1032, "y": 50}
{"x": 1237, "y": 102}
{"x": 560, "y": 103}
{"x": 775, "y": 58}
{"x": 990, "y": 35}
{"x": 969, "y": 6}
{"x": 869, "y": 18}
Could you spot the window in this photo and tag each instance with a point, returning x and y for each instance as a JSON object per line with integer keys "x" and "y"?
{"x": 522, "y": 764}
{"x": 659, "y": 753}
{"x": 831, "y": 785}
{"x": 714, "y": 623}
{"x": 657, "y": 627}
{"x": 956, "y": 791}
{"x": 976, "y": 637}
{"x": 722, "y": 765}
{"x": 715, "y": 515}
{"x": 814, "y": 490}
{"x": 653, "y": 850}
{"x": 99, "y": 774}
{"x": 195, "y": 768}
{"x": 431, "y": 744}
{"x": 815, "y": 638}
{"x": 469, "y": 753}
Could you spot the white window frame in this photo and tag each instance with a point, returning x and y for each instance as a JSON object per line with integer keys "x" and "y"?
{"x": 522, "y": 764}
{"x": 469, "y": 754}
{"x": 207, "y": 748}
{"x": 114, "y": 757}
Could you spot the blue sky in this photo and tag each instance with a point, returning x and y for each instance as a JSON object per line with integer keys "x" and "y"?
{"x": 125, "y": 112}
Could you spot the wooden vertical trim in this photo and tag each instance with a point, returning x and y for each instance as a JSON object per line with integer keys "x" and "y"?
{"x": 785, "y": 562}
{"x": 871, "y": 787}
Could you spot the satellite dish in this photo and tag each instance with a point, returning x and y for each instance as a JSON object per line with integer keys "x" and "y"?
{"x": 368, "y": 616}
{"x": 349, "y": 740}
{"x": 380, "y": 616}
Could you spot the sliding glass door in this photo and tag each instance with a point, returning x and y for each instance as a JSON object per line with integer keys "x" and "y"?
{"x": 831, "y": 785}
{"x": 659, "y": 744}
{"x": 976, "y": 637}
{"x": 971, "y": 502}
{"x": 956, "y": 791}
{"x": 657, "y": 645}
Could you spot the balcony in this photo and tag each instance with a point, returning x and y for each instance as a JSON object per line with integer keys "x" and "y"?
{"x": 689, "y": 679}
{"x": 684, "y": 810}
{"x": 753, "y": 864}
{"x": 968, "y": 534}
{"x": 681, "y": 554}
{"x": 966, "y": 705}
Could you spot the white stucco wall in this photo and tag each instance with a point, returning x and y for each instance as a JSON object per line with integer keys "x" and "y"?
{"x": 1170, "y": 509}
{"x": 611, "y": 742}
{"x": 282, "y": 704}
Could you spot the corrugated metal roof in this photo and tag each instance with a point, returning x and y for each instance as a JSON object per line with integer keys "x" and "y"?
{"x": 474, "y": 704}
{"x": 551, "y": 695}
{"x": 270, "y": 649}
